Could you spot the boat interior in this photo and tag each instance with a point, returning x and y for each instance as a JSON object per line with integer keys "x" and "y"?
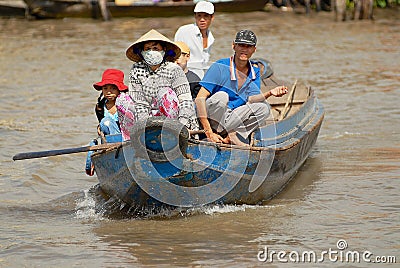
{"x": 288, "y": 104}
{"x": 282, "y": 107}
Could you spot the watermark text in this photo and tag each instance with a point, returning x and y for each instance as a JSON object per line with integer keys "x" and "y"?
{"x": 340, "y": 254}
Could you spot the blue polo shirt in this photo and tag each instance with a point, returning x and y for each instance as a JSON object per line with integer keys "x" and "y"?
{"x": 221, "y": 76}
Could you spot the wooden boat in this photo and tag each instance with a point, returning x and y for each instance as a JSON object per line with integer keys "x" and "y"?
{"x": 159, "y": 169}
{"x": 131, "y": 8}
{"x": 12, "y": 9}
{"x": 163, "y": 167}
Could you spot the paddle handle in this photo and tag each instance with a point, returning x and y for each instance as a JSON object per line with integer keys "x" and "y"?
{"x": 30, "y": 155}
{"x": 196, "y": 132}
{"x": 289, "y": 100}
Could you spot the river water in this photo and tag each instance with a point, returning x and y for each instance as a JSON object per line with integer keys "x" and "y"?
{"x": 346, "y": 193}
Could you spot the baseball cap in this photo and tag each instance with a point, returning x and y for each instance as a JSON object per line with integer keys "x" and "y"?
{"x": 246, "y": 37}
{"x": 204, "y": 6}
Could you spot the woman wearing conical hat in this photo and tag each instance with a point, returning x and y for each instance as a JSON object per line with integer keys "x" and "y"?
{"x": 157, "y": 85}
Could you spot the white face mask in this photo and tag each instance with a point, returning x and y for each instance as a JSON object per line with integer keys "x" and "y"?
{"x": 152, "y": 57}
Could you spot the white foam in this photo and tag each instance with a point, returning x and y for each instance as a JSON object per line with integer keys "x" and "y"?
{"x": 209, "y": 210}
{"x": 85, "y": 209}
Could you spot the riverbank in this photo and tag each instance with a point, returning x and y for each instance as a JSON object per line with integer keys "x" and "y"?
{"x": 300, "y": 9}
{"x": 17, "y": 9}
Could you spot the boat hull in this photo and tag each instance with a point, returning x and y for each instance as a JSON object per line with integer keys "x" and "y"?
{"x": 9, "y": 9}
{"x": 66, "y": 8}
{"x": 213, "y": 173}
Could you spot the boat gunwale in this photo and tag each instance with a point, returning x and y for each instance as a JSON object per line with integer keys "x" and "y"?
{"x": 316, "y": 114}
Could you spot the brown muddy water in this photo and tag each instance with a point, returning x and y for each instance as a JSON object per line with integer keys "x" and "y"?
{"x": 344, "y": 199}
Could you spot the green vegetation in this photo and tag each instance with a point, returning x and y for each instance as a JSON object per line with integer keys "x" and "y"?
{"x": 385, "y": 3}
{"x": 377, "y": 3}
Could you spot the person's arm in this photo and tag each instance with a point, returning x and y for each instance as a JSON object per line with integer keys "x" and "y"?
{"x": 277, "y": 92}
{"x": 193, "y": 80}
{"x": 195, "y": 88}
{"x": 202, "y": 115}
{"x": 99, "y": 108}
{"x": 180, "y": 85}
{"x": 141, "y": 105}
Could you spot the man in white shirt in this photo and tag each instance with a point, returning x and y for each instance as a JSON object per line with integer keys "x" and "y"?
{"x": 198, "y": 37}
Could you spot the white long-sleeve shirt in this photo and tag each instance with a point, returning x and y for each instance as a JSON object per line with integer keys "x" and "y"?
{"x": 199, "y": 56}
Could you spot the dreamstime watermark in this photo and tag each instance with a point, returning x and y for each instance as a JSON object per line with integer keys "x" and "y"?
{"x": 340, "y": 254}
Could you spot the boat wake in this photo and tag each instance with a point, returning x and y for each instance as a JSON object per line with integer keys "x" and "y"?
{"x": 219, "y": 209}
{"x": 95, "y": 205}
{"x": 86, "y": 208}
{"x": 340, "y": 135}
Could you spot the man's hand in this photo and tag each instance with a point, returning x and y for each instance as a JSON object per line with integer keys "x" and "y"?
{"x": 279, "y": 91}
{"x": 214, "y": 137}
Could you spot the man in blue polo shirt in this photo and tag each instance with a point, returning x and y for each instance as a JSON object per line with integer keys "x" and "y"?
{"x": 230, "y": 98}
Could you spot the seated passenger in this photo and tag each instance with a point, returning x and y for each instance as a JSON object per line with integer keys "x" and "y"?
{"x": 182, "y": 61}
{"x": 230, "y": 99}
{"x": 111, "y": 84}
{"x": 199, "y": 37}
{"x": 157, "y": 85}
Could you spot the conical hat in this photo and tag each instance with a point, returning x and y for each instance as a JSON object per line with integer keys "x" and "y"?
{"x": 172, "y": 53}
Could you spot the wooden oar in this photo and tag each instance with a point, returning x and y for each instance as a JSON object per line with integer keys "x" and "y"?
{"x": 289, "y": 100}
{"x": 40, "y": 154}
{"x": 195, "y": 132}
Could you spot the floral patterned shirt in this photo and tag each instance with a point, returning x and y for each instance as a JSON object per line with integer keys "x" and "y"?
{"x": 144, "y": 85}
